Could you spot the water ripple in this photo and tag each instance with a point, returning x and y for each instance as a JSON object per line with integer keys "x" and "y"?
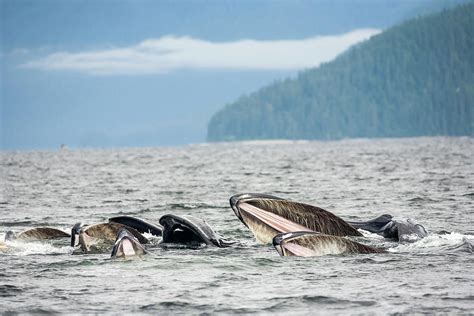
{"x": 427, "y": 179}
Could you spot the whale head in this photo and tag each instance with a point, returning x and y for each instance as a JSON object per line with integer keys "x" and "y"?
{"x": 75, "y": 231}
{"x": 266, "y": 216}
{"x": 311, "y": 244}
{"x": 126, "y": 245}
{"x": 190, "y": 230}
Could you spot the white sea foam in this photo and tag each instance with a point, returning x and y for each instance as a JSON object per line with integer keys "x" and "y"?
{"x": 370, "y": 235}
{"x": 22, "y": 248}
{"x": 424, "y": 277}
{"x": 434, "y": 242}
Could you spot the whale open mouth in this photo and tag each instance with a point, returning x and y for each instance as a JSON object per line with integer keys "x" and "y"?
{"x": 311, "y": 244}
{"x": 275, "y": 221}
{"x": 98, "y": 237}
{"x": 190, "y": 230}
{"x": 181, "y": 230}
{"x": 285, "y": 247}
{"x": 140, "y": 225}
{"x": 267, "y": 216}
{"x": 126, "y": 245}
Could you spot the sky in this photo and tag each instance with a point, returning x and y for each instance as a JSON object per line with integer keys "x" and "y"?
{"x": 124, "y": 73}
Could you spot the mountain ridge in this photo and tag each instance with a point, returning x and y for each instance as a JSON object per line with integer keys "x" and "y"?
{"x": 414, "y": 79}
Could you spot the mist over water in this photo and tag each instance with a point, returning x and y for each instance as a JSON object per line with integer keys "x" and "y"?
{"x": 430, "y": 180}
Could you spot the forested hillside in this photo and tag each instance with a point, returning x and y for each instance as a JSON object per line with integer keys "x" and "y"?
{"x": 414, "y": 79}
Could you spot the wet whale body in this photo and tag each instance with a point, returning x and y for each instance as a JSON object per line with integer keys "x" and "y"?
{"x": 384, "y": 225}
{"x": 33, "y": 234}
{"x": 300, "y": 229}
{"x": 37, "y": 233}
{"x": 190, "y": 230}
{"x": 293, "y": 228}
{"x": 310, "y": 244}
{"x": 98, "y": 237}
{"x": 89, "y": 238}
{"x": 184, "y": 230}
{"x": 127, "y": 245}
{"x": 266, "y": 216}
{"x": 138, "y": 224}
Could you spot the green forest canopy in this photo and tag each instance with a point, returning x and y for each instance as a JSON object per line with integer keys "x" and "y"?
{"x": 413, "y": 79}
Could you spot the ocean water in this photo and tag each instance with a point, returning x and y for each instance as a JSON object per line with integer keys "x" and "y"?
{"x": 430, "y": 180}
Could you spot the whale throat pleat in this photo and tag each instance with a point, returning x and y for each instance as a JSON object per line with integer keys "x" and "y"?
{"x": 310, "y": 217}
{"x": 275, "y": 221}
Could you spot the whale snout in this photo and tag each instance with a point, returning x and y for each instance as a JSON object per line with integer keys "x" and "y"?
{"x": 126, "y": 245}
{"x": 243, "y": 197}
{"x": 234, "y": 201}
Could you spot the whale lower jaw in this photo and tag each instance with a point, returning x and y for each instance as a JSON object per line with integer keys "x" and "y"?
{"x": 126, "y": 245}
{"x": 127, "y": 248}
{"x": 323, "y": 247}
{"x": 312, "y": 244}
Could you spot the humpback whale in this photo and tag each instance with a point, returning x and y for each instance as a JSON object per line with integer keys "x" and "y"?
{"x": 266, "y": 216}
{"x": 139, "y": 224}
{"x": 33, "y": 234}
{"x": 127, "y": 245}
{"x": 95, "y": 238}
{"x": 310, "y": 244}
{"x": 384, "y": 225}
{"x": 190, "y": 230}
{"x": 38, "y": 233}
{"x": 176, "y": 229}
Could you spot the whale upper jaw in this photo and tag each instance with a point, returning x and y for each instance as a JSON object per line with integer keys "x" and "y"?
{"x": 187, "y": 229}
{"x": 140, "y": 225}
{"x": 244, "y": 197}
{"x": 264, "y": 224}
{"x": 75, "y": 231}
{"x": 266, "y": 216}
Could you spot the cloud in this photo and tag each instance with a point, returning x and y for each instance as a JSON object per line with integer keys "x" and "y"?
{"x": 170, "y": 53}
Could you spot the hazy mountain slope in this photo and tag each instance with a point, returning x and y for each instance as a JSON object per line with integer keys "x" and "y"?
{"x": 413, "y": 79}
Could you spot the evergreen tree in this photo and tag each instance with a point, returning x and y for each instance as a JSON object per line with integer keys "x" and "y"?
{"x": 414, "y": 79}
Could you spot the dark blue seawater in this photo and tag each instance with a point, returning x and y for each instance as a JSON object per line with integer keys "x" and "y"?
{"x": 430, "y": 180}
